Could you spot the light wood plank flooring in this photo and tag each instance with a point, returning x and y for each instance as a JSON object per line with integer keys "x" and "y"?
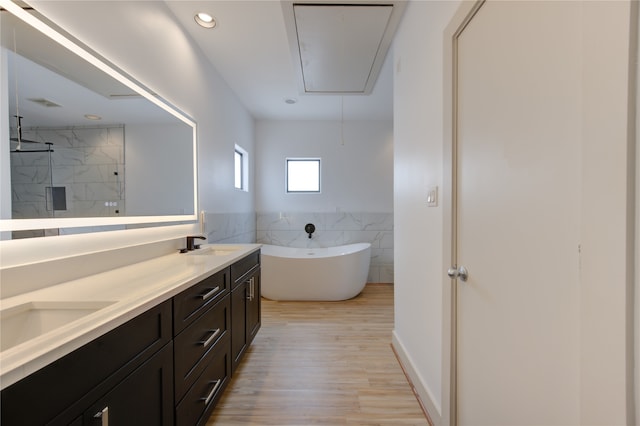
{"x": 322, "y": 363}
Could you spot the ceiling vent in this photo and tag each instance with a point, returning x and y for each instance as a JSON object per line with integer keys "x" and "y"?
{"x": 44, "y": 102}
{"x": 339, "y": 47}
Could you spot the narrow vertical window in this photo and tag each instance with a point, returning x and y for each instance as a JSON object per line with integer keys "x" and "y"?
{"x": 303, "y": 175}
{"x": 241, "y": 169}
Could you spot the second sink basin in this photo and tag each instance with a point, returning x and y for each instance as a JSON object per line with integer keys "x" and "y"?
{"x": 28, "y": 320}
{"x": 215, "y": 250}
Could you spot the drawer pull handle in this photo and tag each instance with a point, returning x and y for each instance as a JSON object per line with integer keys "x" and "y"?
{"x": 102, "y": 416}
{"x": 213, "y": 392}
{"x": 211, "y": 338}
{"x": 211, "y": 293}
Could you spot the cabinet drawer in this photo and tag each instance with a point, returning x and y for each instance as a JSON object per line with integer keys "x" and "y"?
{"x": 196, "y": 341}
{"x": 188, "y": 305}
{"x": 244, "y": 265}
{"x": 205, "y": 392}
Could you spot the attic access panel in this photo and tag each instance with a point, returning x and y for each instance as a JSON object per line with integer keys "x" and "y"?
{"x": 339, "y": 48}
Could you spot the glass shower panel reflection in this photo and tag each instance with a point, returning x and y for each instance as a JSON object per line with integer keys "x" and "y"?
{"x": 31, "y": 175}
{"x": 82, "y": 176}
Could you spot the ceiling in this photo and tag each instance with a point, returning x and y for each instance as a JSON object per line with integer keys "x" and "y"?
{"x": 253, "y": 47}
{"x": 256, "y": 50}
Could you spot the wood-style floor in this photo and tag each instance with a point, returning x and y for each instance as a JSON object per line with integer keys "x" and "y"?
{"x": 322, "y": 363}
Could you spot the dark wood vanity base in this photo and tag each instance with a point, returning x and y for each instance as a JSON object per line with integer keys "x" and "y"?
{"x": 167, "y": 366}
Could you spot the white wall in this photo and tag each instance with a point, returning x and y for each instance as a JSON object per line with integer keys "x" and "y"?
{"x": 144, "y": 39}
{"x": 418, "y": 158}
{"x": 357, "y": 176}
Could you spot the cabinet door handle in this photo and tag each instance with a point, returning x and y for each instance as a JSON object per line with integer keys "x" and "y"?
{"x": 248, "y": 296}
{"x": 251, "y": 289}
{"x": 207, "y": 399}
{"x": 211, "y": 293}
{"x": 103, "y": 415}
{"x": 211, "y": 338}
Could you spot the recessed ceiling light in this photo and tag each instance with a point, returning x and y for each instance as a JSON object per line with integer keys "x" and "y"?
{"x": 290, "y": 101}
{"x": 205, "y": 20}
{"x": 92, "y": 117}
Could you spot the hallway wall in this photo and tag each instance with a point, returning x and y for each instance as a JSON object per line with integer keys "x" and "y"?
{"x": 418, "y": 158}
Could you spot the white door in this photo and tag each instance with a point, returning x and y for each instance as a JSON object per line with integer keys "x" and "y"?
{"x": 518, "y": 200}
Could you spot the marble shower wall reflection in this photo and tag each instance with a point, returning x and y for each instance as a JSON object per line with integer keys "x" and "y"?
{"x": 87, "y": 161}
{"x": 334, "y": 229}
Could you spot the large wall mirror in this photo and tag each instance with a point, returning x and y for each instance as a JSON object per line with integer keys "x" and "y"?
{"x": 84, "y": 146}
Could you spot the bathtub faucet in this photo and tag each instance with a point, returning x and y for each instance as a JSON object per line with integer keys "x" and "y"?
{"x": 309, "y": 228}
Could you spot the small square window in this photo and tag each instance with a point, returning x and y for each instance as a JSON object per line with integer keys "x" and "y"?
{"x": 303, "y": 175}
{"x": 241, "y": 169}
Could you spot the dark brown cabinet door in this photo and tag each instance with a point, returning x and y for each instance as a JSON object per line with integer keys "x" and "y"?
{"x": 245, "y": 314}
{"x": 145, "y": 397}
{"x": 238, "y": 324}
{"x": 253, "y": 306}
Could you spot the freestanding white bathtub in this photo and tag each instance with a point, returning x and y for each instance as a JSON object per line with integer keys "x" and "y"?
{"x": 327, "y": 274}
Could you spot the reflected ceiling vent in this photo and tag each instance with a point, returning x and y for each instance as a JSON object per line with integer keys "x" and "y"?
{"x": 339, "y": 47}
{"x": 44, "y": 102}
{"x": 126, "y": 96}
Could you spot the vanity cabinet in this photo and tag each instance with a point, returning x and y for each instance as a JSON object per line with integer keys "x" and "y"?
{"x": 245, "y": 306}
{"x": 202, "y": 348}
{"x": 169, "y": 365}
{"x": 113, "y": 372}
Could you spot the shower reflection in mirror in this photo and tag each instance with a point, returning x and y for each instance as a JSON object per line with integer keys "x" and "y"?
{"x": 67, "y": 172}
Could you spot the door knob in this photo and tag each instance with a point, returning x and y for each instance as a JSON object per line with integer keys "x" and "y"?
{"x": 460, "y": 272}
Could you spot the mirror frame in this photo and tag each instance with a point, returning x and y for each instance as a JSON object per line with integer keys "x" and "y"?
{"x": 47, "y": 28}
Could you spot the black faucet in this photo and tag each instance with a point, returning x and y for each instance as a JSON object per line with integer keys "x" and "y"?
{"x": 190, "y": 242}
{"x": 309, "y": 228}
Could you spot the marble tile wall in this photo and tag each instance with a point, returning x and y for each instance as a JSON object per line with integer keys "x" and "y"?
{"x": 228, "y": 228}
{"x": 87, "y": 162}
{"x": 334, "y": 229}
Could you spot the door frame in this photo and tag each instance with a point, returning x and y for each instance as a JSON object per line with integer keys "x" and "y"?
{"x": 465, "y": 13}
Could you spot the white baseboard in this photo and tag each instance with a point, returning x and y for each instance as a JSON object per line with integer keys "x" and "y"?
{"x": 421, "y": 391}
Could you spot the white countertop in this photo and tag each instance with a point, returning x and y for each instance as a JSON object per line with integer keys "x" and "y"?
{"x": 133, "y": 289}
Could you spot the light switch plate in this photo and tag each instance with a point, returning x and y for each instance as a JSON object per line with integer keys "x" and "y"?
{"x": 432, "y": 196}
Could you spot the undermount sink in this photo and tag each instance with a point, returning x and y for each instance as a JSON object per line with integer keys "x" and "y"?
{"x": 24, "y": 322}
{"x": 215, "y": 250}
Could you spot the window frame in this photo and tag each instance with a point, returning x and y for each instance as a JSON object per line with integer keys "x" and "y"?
{"x": 244, "y": 168}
